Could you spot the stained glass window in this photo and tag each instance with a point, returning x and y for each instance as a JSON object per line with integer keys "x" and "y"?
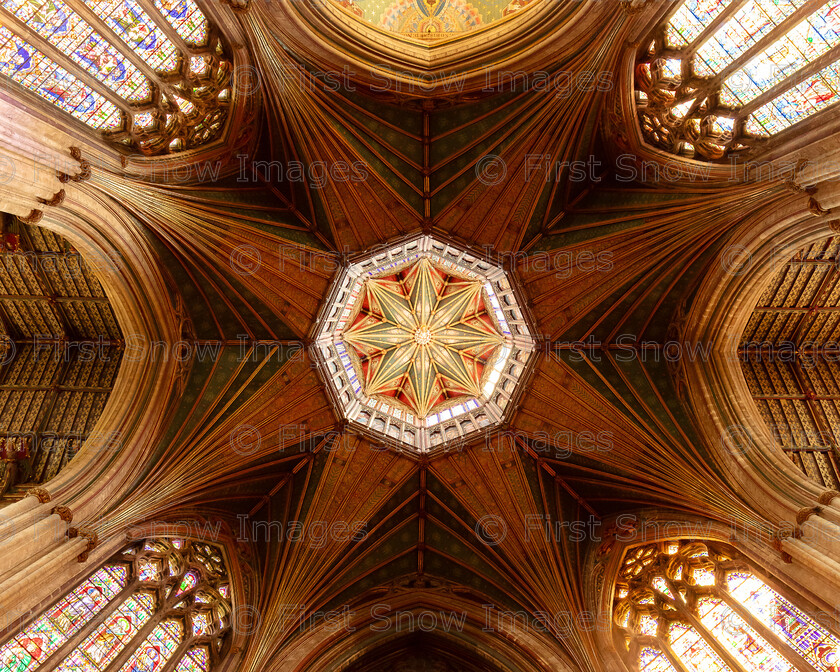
{"x": 147, "y": 582}
{"x": 34, "y": 644}
{"x": 720, "y": 76}
{"x": 697, "y": 607}
{"x": 153, "y": 81}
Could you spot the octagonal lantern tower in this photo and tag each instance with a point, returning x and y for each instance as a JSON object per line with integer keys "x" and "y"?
{"x": 423, "y": 343}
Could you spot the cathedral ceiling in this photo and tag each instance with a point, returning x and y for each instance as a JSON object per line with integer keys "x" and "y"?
{"x": 607, "y": 265}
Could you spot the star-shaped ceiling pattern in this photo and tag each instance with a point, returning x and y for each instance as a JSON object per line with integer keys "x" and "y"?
{"x": 423, "y": 343}
{"x": 423, "y": 337}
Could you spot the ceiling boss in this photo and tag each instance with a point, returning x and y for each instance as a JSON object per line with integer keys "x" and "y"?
{"x": 423, "y": 344}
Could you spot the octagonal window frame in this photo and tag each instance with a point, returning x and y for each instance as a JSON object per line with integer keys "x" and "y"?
{"x": 450, "y": 425}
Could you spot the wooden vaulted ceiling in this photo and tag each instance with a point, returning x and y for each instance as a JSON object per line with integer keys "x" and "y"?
{"x": 61, "y": 348}
{"x": 608, "y": 269}
{"x": 789, "y": 352}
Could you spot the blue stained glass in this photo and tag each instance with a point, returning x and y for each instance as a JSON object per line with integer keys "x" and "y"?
{"x": 798, "y": 103}
{"x": 29, "y": 67}
{"x": 158, "y": 648}
{"x": 194, "y": 661}
{"x": 132, "y": 24}
{"x": 72, "y": 35}
{"x": 186, "y": 18}
{"x": 804, "y": 43}
{"x": 820, "y": 649}
{"x": 749, "y": 24}
{"x": 653, "y": 660}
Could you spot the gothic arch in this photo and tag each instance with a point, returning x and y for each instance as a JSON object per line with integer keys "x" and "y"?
{"x": 718, "y": 316}
{"x": 785, "y": 148}
{"x": 332, "y": 39}
{"x": 343, "y": 642}
{"x": 193, "y": 580}
{"x": 137, "y": 150}
{"x": 57, "y": 521}
{"x": 651, "y": 528}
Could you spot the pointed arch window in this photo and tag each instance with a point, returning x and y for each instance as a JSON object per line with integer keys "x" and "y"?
{"x": 151, "y": 75}
{"x": 719, "y": 76}
{"x": 687, "y": 606}
{"x": 159, "y": 605}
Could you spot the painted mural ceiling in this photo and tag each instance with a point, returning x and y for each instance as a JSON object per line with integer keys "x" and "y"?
{"x": 606, "y": 267}
{"x": 432, "y": 20}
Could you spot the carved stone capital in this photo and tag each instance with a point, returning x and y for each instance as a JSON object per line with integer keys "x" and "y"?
{"x": 64, "y": 513}
{"x": 92, "y": 540}
{"x": 57, "y": 199}
{"x": 803, "y": 514}
{"x": 827, "y": 496}
{"x": 815, "y": 207}
{"x": 33, "y": 217}
{"x": 42, "y": 495}
{"x": 84, "y": 165}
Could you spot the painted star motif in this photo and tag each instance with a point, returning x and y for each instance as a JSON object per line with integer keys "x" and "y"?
{"x": 423, "y": 337}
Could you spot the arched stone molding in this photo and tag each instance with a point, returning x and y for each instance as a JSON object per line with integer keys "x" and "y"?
{"x": 130, "y": 272}
{"x": 333, "y": 40}
{"x": 323, "y": 646}
{"x": 724, "y": 412}
{"x": 603, "y": 562}
{"x": 32, "y": 157}
{"x": 41, "y": 584}
{"x": 53, "y": 529}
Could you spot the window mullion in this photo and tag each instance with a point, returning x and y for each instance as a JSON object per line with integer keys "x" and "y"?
{"x": 792, "y": 80}
{"x": 779, "y": 31}
{"x": 685, "y": 614}
{"x": 127, "y": 52}
{"x": 167, "y": 28}
{"x": 179, "y": 653}
{"x": 713, "y": 27}
{"x": 76, "y": 640}
{"x": 54, "y": 54}
{"x": 712, "y": 641}
{"x": 135, "y": 642}
{"x": 673, "y": 658}
{"x": 772, "y": 638}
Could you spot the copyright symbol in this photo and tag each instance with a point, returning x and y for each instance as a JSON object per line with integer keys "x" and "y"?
{"x": 246, "y": 620}
{"x": 7, "y": 170}
{"x": 492, "y": 530}
{"x": 736, "y": 259}
{"x": 245, "y": 260}
{"x": 490, "y": 170}
{"x": 245, "y": 440}
{"x": 736, "y": 440}
{"x": 7, "y": 350}
{"x": 245, "y": 80}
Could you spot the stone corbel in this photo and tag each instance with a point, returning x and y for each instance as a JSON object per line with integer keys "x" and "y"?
{"x": 84, "y": 168}
{"x": 826, "y": 498}
{"x": 805, "y": 513}
{"x": 816, "y": 208}
{"x": 777, "y": 544}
